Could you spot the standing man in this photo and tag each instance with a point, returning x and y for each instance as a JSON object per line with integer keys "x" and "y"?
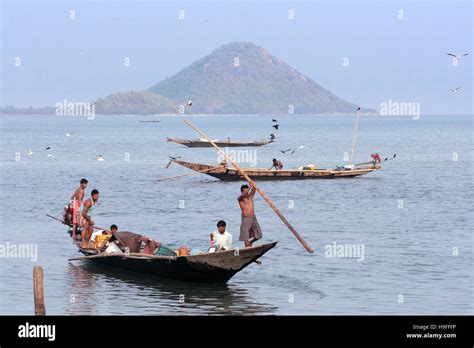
{"x": 249, "y": 229}
{"x": 76, "y": 199}
{"x": 84, "y": 217}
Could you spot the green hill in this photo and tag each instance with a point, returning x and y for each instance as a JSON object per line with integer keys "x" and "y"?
{"x": 135, "y": 102}
{"x": 237, "y": 78}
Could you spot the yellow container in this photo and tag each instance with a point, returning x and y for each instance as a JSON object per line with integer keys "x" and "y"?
{"x": 100, "y": 240}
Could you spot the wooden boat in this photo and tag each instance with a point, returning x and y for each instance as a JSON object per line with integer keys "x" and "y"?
{"x": 215, "y": 267}
{"x": 226, "y": 173}
{"x": 203, "y": 268}
{"x": 226, "y": 143}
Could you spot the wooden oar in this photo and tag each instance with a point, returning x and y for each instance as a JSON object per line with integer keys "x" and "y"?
{"x": 62, "y": 221}
{"x": 183, "y": 175}
{"x": 354, "y": 135}
{"x": 129, "y": 255}
{"x": 250, "y": 181}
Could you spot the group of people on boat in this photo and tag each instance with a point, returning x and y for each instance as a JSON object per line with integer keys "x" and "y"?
{"x": 220, "y": 239}
{"x": 82, "y": 212}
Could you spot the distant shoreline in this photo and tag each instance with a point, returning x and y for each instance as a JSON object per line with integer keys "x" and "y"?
{"x": 226, "y": 115}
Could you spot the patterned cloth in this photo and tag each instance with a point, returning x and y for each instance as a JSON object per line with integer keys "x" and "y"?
{"x": 250, "y": 228}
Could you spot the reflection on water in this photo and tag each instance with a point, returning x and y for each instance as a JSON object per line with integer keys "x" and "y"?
{"x": 121, "y": 292}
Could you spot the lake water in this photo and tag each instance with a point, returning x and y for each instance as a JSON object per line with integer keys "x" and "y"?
{"x": 413, "y": 218}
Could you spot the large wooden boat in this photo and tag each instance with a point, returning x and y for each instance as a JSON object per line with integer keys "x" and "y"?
{"x": 217, "y": 267}
{"x": 225, "y": 143}
{"x": 227, "y": 173}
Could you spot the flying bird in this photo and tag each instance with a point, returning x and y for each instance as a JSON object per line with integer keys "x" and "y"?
{"x": 51, "y": 156}
{"x": 284, "y": 151}
{"x": 99, "y": 158}
{"x": 298, "y": 147}
{"x": 48, "y": 148}
{"x": 276, "y": 126}
{"x": 174, "y": 158}
{"x": 457, "y": 57}
{"x": 274, "y": 120}
{"x": 30, "y": 152}
{"x": 455, "y": 90}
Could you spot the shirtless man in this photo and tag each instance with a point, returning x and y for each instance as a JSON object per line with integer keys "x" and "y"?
{"x": 84, "y": 219}
{"x": 76, "y": 199}
{"x": 249, "y": 229}
{"x": 277, "y": 164}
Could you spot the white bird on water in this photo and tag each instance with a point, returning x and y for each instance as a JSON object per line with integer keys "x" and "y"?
{"x": 99, "y": 158}
{"x": 190, "y": 103}
{"x": 69, "y": 134}
{"x": 30, "y": 152}
{"x": 457, "y": 57}
{"x": 51, "y": 156}
{"x": 455, "y": 90}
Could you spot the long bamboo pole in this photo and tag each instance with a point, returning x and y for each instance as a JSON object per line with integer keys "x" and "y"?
{"x": 354, "y": 136}
{"x": 250, "y": 181}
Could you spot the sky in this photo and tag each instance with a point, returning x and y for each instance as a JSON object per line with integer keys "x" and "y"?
{"x": 393, "y": 50}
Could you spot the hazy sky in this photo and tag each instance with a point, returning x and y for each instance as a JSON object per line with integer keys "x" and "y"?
{"x": 389, "y": 58}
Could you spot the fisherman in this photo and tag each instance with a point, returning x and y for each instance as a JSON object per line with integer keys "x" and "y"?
{"x": 221, "y": 238}
{"x": 76, "y": 199}
{"x": 249, "y": 229}
{"x": 113, "y": 228}
{"x": 277, "y": 164}
{"x": 84, "y": 219}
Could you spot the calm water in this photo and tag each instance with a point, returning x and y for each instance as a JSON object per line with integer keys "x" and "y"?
{"x": 408, "y": 250}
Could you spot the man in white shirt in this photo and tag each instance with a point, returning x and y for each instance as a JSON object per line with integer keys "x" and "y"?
{"x": 221, "y": 237}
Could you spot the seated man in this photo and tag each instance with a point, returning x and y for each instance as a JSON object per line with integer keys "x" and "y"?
{"x": 221, "y": 238}
{"x": 277, "y": 164}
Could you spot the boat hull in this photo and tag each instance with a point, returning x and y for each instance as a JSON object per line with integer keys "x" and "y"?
{"x": 197, "y": 143}
{"x": 231, "y": 174}
{"x": 204, "y": 268}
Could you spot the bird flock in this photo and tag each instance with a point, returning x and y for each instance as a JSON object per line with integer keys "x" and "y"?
{"x": 53, "y": 157}
{"x": 456, "y": 59}
{"x": 276, "y": 125}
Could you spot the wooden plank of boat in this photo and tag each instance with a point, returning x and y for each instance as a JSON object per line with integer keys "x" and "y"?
{"x": 203, "y": 268}
{"x": 204, "y": 143}
{"x": 228, "y": 173}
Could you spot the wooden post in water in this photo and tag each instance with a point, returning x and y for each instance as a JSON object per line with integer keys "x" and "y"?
{"x": 40, "y": 309}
